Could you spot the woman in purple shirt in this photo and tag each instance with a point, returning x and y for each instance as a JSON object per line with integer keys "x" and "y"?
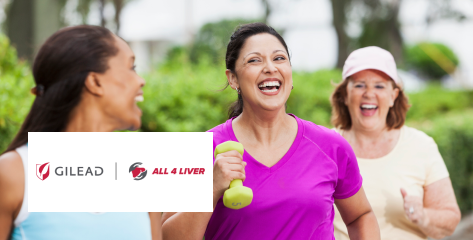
{"x": 296, "y": 169}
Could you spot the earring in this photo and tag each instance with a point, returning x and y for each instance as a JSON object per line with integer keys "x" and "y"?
{"x": 238, "y": 90}
{"x": 292, "y": 87}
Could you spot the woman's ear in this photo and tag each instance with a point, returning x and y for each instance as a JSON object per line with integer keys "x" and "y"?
{"x": 394, "y": 96}
{"x": 93, "y": 84}
{"x": 232, "y": 79}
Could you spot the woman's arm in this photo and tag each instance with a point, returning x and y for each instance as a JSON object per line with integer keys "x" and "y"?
{"x": 437, "y": 215}
{"x": 357, "y": 214}
{"x": 188, "y": 225}
{"x": 12, "y": 187}
{"x": 155, "y": 221}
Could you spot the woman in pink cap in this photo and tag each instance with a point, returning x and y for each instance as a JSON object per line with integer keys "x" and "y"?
{"x": 404, "y": 176}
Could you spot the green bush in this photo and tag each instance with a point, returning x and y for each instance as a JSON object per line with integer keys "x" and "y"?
{"x": 435, "y": 101}
{"x": 185, "y": 98}
{"x": 310, "y": 98}
{"x": 15, "y": 97}
{"x": 453, "y": 134}
{"x": 434, "y": 60}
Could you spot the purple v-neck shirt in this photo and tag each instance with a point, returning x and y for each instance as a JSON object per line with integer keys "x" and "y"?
{"x": 294, "y": 198}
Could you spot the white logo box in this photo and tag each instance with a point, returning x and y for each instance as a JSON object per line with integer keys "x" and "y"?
{"x": 116, "y": 190}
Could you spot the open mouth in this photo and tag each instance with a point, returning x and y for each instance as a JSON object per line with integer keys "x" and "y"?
{"x": 368, "y": 109}
{"x": 269, "y": 86}
{"x": 139, "y": 98}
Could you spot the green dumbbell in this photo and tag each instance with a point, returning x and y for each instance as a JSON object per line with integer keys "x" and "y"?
{"x": 236, "y": 196}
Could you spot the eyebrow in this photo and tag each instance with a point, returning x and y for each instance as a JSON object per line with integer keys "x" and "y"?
{"x": 363, "y": 81}
{"x": 257, "y": 53}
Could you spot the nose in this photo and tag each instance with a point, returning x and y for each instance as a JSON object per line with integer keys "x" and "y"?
{"x": 141, "y": 81}
{"x": 369, "y": 92}
{"x": 270, "y": 67}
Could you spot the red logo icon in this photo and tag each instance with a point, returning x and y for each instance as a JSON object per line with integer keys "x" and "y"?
{"x": 42, "y": 171}
{"x": 137, "y": 172}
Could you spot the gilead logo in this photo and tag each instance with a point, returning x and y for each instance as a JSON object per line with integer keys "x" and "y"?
{"x": 42, "y": 171}
{"x": 137, "y": 172}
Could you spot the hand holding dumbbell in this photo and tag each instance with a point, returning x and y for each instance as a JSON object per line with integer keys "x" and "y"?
{"x": 237, "y": 196}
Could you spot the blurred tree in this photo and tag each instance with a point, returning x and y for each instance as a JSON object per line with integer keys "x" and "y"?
{"x": 102, "y": 15}
{"x": 83, "y": 8}
{"x": 267, "y": 10}
{"x": 378, "y": 20}
{"x": 339, "y": 13}
{"x": 442, "y": 9}
{"x": 270, "y": 6}
{"x": 380, "y": 27}
{"x": 212, "y": 39}
{"x": 30, "y": 22}
{"x": 118, "y": 4}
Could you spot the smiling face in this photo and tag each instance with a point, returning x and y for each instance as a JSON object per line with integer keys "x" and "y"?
{"x": 370, "y": 95}
{"x": 122, "y": 89}
{"x": 263, "y": 73}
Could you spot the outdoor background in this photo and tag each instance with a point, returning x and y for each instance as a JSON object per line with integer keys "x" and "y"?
{"x": 180, "y": 47}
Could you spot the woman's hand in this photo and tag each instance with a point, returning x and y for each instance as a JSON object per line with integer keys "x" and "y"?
{"x": 437, "y": 214}
{"x": 227, "y": 167}
{"x": 414, "y": 208}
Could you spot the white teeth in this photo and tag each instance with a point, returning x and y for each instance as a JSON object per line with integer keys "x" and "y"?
{"x": 273, "y": 90}
{"x": 269, "y": 84}
{"x": 139, "y": 98}
{"x": 368, "y": 106}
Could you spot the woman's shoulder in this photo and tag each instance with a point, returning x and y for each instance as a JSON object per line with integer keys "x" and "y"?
{"x": 415, "y": 136}
{"x": 221, "y": 133}
{"x": 218, "y": 129}
{"x": 11, "y": 167}
{"x": 12, "y": 179}
{"x": 321, "y": 133}
{"x": 328, "y": 140}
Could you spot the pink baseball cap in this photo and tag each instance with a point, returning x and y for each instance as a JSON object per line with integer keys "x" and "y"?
{"x": 371, "y": 58}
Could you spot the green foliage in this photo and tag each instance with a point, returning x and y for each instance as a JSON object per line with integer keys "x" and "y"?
{"x": 310, "y": 98}
{"x": 212, "y": 40}
{"x": 185, "y": 98}
{"x": 435, "y": 101}
{"x": 15, "y": 98}
{"x": 434, "y": 60}
{"x": 453, "y": 134}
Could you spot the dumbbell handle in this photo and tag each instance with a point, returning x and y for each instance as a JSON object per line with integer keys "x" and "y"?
{"x": 236, "y": 183}
{"x": 236, "y": 196}
{"x": 224, "y": 147}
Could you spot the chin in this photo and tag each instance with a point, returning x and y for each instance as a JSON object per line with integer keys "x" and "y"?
{"x": 272, "y": 105}
{"x": 133, "y": 124}
{"x": 371, "y": 124}
{"x": 136, "y": 126}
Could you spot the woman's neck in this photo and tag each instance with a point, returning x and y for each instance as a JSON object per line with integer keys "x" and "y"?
{"x": 372, "y": 143}
{"x": 88, "y": 118}
{"x": 264, "y": 127}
